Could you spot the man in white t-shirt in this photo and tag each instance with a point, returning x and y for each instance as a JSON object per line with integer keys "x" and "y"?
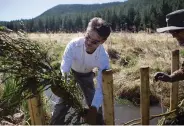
{"x": 82, "y": 55}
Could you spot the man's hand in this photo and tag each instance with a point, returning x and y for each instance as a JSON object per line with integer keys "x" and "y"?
{"x": 162, "y": 77}
{"x": 56, "y": 90}
{"x": 66, "y": 77}
{"x": 91, "y": 115}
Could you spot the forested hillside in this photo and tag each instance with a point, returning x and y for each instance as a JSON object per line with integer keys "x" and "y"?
{"x": 132, "y": 15}
{"x": 62, "y": 9}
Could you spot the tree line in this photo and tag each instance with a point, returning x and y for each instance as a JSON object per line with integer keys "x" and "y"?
{"x": 132, "y": 15}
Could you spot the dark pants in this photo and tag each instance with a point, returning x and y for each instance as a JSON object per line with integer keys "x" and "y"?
{"x": 62, "y": 112}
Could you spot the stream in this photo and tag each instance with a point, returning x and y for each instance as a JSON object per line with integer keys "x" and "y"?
{"x": 126, "y": 112}
{"x": 123, "y": 112}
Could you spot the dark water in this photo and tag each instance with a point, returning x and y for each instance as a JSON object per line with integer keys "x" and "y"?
{"x": 123, "y": 112}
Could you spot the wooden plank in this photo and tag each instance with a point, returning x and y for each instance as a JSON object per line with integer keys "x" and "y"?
{"x": 145, "y": 95}
{"x": 36, "y": 111}
{"x": 108, "y": 100}
{"x": 174, "y": 86}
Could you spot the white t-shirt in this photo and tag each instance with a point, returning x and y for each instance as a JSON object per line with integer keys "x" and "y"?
{"x": 78, "y": 59}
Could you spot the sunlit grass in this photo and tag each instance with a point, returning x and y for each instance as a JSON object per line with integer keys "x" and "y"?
{"x": 128, "y": 52}
{"x": 133, "y": 51}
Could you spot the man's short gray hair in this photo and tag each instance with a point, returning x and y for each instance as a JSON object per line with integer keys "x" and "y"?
{"x": 100, "y": 26}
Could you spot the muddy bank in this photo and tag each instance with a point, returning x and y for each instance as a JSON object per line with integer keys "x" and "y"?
{"x": 132, "y": 93}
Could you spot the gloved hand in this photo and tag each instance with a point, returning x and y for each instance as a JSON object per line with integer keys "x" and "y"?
{"x": 162, "y": 77}
{"x": 91, "y": 115}
{"x": 56, "y": 90}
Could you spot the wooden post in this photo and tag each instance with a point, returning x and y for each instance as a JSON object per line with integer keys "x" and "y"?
{"x": 36, "y": 110}
{"x": 35, "y": 104}
{"x": 108, "y": 100}
{"x": 145, "y": 95}
{"x": 174, "y": 86}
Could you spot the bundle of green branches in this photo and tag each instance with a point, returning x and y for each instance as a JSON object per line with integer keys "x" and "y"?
{"x": 28, "y": 64}
{"x": 174, "y": 117}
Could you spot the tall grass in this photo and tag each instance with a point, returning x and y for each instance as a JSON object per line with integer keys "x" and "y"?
{"x": 8, "y": 88}
{"x": 153, "y": 50}
{"x": 128, "y": 52}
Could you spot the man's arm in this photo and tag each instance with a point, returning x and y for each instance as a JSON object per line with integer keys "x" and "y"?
{"x": 65, "y": 67}
{"x": 98, "y": 97}
{"x": 67, "y": 58}
{"x": 177, "y": 75}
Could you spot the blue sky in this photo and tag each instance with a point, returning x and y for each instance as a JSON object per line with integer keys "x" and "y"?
{"x": 26, "y": 9}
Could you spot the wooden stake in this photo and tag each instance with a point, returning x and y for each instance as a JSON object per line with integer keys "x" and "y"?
{"x": 145, "y": 95}
{"x": 174, "y": 86}
{"x": 108, "y": 103}
{"x": 36, "y": 111}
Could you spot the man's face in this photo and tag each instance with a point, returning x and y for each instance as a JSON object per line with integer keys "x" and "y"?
{"x": 92, "y": 41}
{"x": 179, "y": 35}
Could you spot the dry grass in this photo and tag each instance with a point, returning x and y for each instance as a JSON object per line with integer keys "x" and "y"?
{"x": 60, "y": 38}
{"x": 142, "y": 49}
{"x": 128, "y": 52}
